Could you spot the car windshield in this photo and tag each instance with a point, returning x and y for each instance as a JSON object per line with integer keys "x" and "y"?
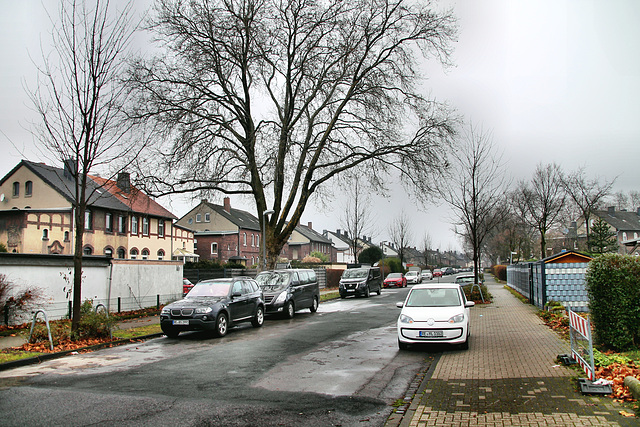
{"x": 272, "y": 280}
{"x": 412, "y": 273}
{"x": 465, "y": 279}
{"x": 433, "y": 297}
{"x": 210, "y": 289}
{"x": 394, "y": 276}
{"x": 354, "y": 274}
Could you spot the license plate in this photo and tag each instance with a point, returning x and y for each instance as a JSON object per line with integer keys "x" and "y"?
{"x": 180, "y": 322}
{"x": 431, "y": 334}
{"x": 351, "y": 290}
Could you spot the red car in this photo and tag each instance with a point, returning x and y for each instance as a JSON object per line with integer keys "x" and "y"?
{"x": 395, "y": 279}
{"x": 186, "y": 286}
{"x": 437, "y": 273}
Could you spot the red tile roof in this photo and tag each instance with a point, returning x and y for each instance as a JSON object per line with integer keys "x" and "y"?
{"x": 136, "y": 199}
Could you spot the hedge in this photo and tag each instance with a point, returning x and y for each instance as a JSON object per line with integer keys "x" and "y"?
{"x": 613, "y": 286}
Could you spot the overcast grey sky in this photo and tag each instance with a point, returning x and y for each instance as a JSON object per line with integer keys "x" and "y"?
{"x": 554, "y": 80}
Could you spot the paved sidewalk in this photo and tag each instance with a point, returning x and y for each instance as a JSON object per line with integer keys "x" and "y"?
{"x": 508, "y": 377}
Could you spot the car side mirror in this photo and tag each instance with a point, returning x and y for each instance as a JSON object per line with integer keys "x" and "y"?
{"x": 470, "y": 304}
{"x": 236, "y": 294}
{"x": 400, "y": 304}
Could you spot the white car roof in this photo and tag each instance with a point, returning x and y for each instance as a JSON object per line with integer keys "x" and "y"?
{"x": 437, "y": 285}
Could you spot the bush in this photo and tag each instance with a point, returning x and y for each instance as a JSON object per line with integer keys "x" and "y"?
{"x": 370, "y": 255}
{"x": 92, "y": 324}
{"x": 233, "y": 265}
{"x": 394, "y": 264}
{"x": 613, "y": 286}
{"x": 500, "y": 272}
{"x": 60, "y": 332}
{"x": 333, "y": 277}
{"x": 311, "y": 260}
{"x": 205, "y": 264}
{"x": 321, "y": 257}
{"x": 475, "y": 295}
{"x": 17, "y": 304}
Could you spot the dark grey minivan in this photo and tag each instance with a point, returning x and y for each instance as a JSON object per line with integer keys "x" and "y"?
{"x": 360, "y": 281}
{"x": 289, "y": 290}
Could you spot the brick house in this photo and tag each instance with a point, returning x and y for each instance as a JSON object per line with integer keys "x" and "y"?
{"x": 626, "y": 225}
{"x": 305, "y": 240}
{"x": 223, "y": 233}
{"x": 36, "y": 216}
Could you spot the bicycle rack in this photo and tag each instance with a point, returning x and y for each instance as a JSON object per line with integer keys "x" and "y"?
{"x": 33, "y": 324}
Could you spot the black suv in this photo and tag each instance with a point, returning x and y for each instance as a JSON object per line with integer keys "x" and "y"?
{"x": 215, "y": 305}
{"x": 360, "y": 281}
{"x": 286, "y": 291}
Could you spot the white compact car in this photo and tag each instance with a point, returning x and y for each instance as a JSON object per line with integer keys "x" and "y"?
{"x": 434, "y": 313}
{"x": 413, "y": 277}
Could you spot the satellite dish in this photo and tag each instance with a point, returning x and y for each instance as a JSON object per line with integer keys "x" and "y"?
{"x": 2, "y": 198}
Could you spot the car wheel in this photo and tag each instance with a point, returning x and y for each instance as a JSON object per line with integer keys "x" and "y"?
{"x": 314, "y": 305}
{"x": 379, "y": 290}
{"x": 367, "y": 292}
{"x": 171, "y": 333}
{"x": 402, "y": 345}
{"x": 289, "y": 310}
{"x": 343, "y": 296}
{"x": 222, "y": 325}
{"x": 465, "y": 345}
{"x": 258, "y": 320}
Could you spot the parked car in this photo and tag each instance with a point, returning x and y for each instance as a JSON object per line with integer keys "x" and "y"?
{"x": 434, "y": 314}
{"x": 360, "y": 281}
{"x": 413, "y": 277}
{"x": 447, "y": 271}
{"x": 437, "y": 273}
{"x": 427, "y": 275}
{"x": 286, "y": 291}
{"x": 215, "y": 305}
{"x": 465, "y": 279}
{"x": 395, "y": 279}
{"x": 186, "y": 286}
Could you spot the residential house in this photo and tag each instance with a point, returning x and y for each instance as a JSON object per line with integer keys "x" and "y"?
{"x": 413, "y": 257}
{"x": 342, "y": 246}
{"x": 389, "y": 250}
{"x": 36, "y": 216}
{"x": 224, "y": 233}
{"x": 626, "y": 225}
{"x": 305, "y": 240}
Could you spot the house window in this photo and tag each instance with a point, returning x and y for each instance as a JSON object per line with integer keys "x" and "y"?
{"x": 88, "y": 220}
{"x": 214, "y": 248}
{"x": 160, "y": 255}
{"x": 258, "y": 240}
{"x": 198, "y": 217}
{"x": 244, "y": 239}
{"x": 16, "y": 189}
{"x": 45, "y": 234}
{"x": 121, "y": 253}
{"x": 624, "y": 236}
{"x": 133, "y": 253}
{"x": 253, "y": 240}
{"x": 195, "y": 244}
{"x": 28, "y": 188}
{"x": 134, "y": 225}
{"x": 635, "y": 234}
{"x": 108, "y": 252}
{"x": 122, "y": 224}
{"x": 160, "y": 228}
{"x": 207, "y": 217}
{"x": 145, "y": 226}
{"x": 190, "y": 221}
{"x": 145, "y": 254}
{"x": 66, "y": 236}
{"x": 108, "y": 222}
{"x": 87, "y": 250}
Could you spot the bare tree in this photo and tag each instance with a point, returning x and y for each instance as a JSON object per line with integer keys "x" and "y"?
{"x": 621, "y": 200}
{"x": 357, "y": 219}
{"x": 80, "y": 103}
{"x": 586, "y": 194}
{"x": 400, "y": 233}
{"x": 541, "y": 201}
{"x": 426, "y": 248}
{"x": 634, "y": 198}
{"x": 476, "y": 190}
{"x": 277, "y": 98}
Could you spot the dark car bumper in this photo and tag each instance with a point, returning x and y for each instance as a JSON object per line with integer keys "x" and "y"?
{"x": 193, "y": 324}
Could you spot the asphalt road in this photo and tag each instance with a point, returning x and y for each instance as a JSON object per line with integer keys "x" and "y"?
{"x": 340, "y": 366}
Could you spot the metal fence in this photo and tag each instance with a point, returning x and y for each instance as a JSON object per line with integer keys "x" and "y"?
{"x": 542, "y": 282}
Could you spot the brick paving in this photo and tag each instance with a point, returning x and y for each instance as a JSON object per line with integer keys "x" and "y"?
{"x": 508, "y": 377}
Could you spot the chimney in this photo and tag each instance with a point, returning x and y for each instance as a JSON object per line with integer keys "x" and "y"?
{"x": 638, "y": 211}
{"x": 70, "y": 168}
{"x": 124, "y": 182}
{"x": 338, "y": 230}
{"x": 227, "y": 204}
{"x": 612, "y": 210}
{"x": 310, "y": 225}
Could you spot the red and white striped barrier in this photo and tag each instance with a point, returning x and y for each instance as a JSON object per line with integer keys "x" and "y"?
{"x": 582, "y": 326}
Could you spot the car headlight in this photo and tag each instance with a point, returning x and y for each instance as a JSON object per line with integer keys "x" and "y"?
{"x": 405, "y": 319}
{"x": 457, "y": 318}
{"x": 281, "y": 297}
{"x": 203, "y": 310}
{"x": 165, "y": 310}
{"x": 361, "y": 284}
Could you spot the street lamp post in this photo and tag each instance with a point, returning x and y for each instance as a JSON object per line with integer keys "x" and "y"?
{"x": 264, "y": 241}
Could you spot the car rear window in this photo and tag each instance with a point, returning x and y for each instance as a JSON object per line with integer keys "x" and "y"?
{"x": 433, "y": 297}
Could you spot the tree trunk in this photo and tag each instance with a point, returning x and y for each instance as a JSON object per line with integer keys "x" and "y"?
{"x": 77, "y": 268}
